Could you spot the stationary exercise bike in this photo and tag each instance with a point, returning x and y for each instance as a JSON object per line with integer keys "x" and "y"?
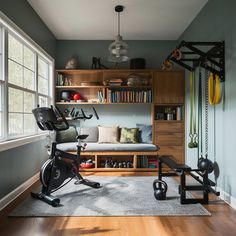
{"x": 61, "y": 167}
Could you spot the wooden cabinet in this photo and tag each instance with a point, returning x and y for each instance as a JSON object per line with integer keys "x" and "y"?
{"x": 168, "y": 87}
{"x": 169, "y": 113}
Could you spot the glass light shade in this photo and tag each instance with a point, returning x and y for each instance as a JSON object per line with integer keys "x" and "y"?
{"x": 118, "y": 50}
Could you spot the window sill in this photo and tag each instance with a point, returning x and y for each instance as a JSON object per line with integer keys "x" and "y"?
{"x": 6, "y": 145}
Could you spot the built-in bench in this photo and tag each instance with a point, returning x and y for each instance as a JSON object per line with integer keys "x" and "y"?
{"x": 124, "y": 151}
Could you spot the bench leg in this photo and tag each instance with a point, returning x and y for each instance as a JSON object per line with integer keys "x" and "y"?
{"x": 182, "y": 188}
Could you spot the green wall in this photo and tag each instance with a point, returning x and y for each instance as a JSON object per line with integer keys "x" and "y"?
{"x": 216, "y": 22}
{"x": 24, "y": 16}
{"x": 126, "y": 115}
{"x": 152, "y": 50}
{"x": 19, "y": 164}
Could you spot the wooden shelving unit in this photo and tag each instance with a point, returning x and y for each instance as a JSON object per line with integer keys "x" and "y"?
{"x": 167, "y": 90}
{"x": 98, "y": 158}
{"x": 74, "y": 80}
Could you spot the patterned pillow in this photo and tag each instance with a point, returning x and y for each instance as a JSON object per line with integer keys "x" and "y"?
{"x": 129, "y": 135}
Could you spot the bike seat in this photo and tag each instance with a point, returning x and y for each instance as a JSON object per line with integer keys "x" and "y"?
{"x": 82, "y": 136}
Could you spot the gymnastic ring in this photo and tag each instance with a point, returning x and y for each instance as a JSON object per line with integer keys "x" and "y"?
{"x": 167, "y": 65}
{"x": 177, "y": 54}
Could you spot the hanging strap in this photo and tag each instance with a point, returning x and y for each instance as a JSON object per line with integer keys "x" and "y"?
{"x": 191, "y": 103}
{"x": 214, "y": 94}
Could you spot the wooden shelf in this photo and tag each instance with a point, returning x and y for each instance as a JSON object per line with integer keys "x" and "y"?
{"x": 169, "y": 121}
{"x": 100, "y": 103}
{"x": 80, "y": 86}
{"x": 118, "y": 169}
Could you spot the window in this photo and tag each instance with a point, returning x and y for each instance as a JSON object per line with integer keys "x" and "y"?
{"x": 1, "y": 84}
{"x": 27, "y": 83}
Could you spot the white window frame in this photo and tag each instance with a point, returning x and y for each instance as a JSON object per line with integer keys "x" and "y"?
{"x": 8, "y": 26}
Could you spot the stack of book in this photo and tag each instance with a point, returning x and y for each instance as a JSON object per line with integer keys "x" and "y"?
{"x": 152, "y": 163}
{"x": 115, "y": 82}
{"x": 147, "y": 162}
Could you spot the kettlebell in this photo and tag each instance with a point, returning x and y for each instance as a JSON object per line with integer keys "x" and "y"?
{"x": 160, "y": 192}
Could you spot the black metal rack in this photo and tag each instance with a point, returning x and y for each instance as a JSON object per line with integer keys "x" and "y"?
{"x": 212, "y": 58}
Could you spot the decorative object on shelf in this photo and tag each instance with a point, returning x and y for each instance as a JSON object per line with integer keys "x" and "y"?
{"x": 77, "y": 96}
{"x": 169, "y": 113}
{"x": 60, "y": 80}
{"x": 66, "y": 95}
{"x": 118, "y": 49}
{"x": 71, "y": 64}
{"x": 137, "y": 63}
{"x": 136, "y": 80}
{"x": 96, "y": 63}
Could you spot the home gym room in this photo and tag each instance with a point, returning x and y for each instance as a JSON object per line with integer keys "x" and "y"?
{"x": 117, "y": 117}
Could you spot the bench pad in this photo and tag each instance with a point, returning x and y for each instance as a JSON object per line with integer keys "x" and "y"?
{"x": 99, "y": 147}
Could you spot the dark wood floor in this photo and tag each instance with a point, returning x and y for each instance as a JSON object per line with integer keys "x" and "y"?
{"x": 222, "y": 222}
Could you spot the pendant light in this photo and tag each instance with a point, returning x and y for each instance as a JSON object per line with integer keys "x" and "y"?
{"x": 118, "y": 49}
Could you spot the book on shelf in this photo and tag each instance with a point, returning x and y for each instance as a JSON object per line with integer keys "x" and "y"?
{"x": 179, "y": 113}
{"x": 100, "y": 96}
{"x": 129, "y": 96}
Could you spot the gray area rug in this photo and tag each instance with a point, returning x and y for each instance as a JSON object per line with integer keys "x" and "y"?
{"x": 118, "y": 196}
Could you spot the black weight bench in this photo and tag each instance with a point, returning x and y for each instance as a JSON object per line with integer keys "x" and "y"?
{"x": 183, "y": 170}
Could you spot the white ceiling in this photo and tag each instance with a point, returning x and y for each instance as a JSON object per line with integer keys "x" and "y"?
{"x": 97, "y": 20}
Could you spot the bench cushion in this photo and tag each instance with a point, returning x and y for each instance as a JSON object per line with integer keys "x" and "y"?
{"x": 99, "y": 147}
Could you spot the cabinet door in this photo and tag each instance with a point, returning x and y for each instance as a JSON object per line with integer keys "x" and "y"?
{"x": 175, "y": 152}
{"x": 169, "y": 87}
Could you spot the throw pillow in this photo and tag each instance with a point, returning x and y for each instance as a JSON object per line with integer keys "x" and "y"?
{"x": 66, "y": 136}
{"x": 92, "y": 134}
{"x": 107, "y": 134}
{"x": 129, "y": 135}
{"x": 145, "y": 133}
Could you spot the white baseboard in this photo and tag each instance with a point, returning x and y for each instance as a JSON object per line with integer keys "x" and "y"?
{"x": 227, "y": 198}
{"x": 18, "y": 191}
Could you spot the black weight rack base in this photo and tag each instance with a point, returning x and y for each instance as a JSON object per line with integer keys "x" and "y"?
{"x": 183, "y": 170}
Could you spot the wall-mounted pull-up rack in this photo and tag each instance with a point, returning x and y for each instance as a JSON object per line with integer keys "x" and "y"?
{"x": 209, "y": 55}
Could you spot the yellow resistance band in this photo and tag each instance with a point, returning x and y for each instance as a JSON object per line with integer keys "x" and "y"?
{"x": 214, "y": 89}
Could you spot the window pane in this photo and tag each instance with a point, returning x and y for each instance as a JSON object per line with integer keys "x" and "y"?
{"x": 0, "y": 40}
{"x": 43, "y": 101}
{"x": 15, "y": 49}
{"x": 29, "y": 124}
{"x": 15, "y": 73}
{"x": 15, "y": 123}
{"x": 42, "y": 68}
{"x": 1, "y": 75}
{"x": 1, "y": 131}
{"x": 15, "y": 100}
{"x": 42, "y": 85}
{"x": 29, "y": 102}
{"x": 28, "y": 58}
{"x": 29, "y": 79}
